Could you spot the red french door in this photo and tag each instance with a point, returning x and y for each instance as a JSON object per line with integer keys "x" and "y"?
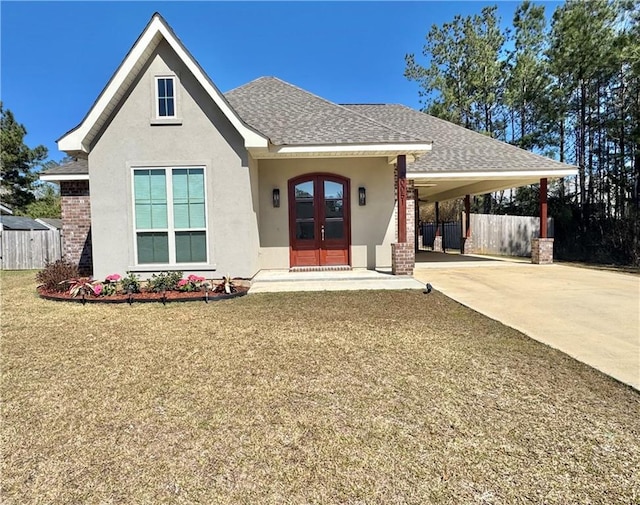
{"x": 319, "y": 228}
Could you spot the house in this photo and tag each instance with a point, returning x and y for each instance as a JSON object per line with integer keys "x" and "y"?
{"x": 21, "y": 223}
{"x": 170, "y": 173}
{"x": 52, "y": 223}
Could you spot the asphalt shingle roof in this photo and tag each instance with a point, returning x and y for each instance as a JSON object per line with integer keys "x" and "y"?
{"x": 20, "y": 223}
{"x": 455, "y": 148}
{"x": 76, "y": 167}
{"x": 52, "y": 221}
{"x": 288, "y": 115}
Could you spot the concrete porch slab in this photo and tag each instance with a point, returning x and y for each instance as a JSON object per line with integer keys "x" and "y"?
{"x": 271, "y": 281}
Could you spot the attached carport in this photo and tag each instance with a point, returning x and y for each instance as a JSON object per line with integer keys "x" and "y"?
{"x": 463, "y": 163}
{"x": 441, "y": 187}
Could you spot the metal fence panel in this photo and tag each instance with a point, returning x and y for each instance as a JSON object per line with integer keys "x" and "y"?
{"x": 451, "y": 233}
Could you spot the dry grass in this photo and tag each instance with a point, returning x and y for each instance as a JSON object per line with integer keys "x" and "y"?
{"x": 365, "y": 397}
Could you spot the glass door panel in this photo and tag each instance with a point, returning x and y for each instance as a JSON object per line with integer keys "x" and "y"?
{"x": 333, "y": 219}
{"x": 305, "y": 211}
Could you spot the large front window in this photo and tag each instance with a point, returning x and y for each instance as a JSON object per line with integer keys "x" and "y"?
{"x": 170, "y": 215}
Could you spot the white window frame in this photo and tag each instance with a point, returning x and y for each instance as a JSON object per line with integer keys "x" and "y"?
{"x": 157, "y": 96}
{"x": 170, "y": 230}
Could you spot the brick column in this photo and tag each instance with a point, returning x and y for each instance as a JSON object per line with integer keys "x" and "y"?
{"x": 542, "y": 248}
{"x": 468, "y": 246}
{"x": 542, "y": 251}
{"x": 403, "y": 253}
{"x": 76, "y": 224}
{"x": 411, "y": 213}
{"x": 403, "y": 258}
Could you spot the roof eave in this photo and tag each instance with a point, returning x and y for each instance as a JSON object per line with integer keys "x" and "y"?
{"x": 364, "y": 150}
{"x": 64, "y": 177}
{"x": 494, "y": 174}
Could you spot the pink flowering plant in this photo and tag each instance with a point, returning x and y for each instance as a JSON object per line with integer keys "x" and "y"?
{"x": 192, "y": 283}
{"x": 109, "y": 286}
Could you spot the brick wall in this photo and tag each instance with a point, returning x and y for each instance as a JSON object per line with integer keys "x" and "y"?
{"x": 76, "y": 224}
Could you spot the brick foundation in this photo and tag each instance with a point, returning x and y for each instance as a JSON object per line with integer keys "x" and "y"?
{"x": 411, "y": 219}
{"x": 468, "y": 246}
{"x": 437, "y": 243}
{"x": 403, "y": 258}
{"x": 76, "y": 224}
{"x": 542, "y": 251}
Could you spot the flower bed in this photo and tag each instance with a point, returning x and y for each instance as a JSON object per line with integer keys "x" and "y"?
{"x": 144, "y": 297}
{"x": 163, "y": 287}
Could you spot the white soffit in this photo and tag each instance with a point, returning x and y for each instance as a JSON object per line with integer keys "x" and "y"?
{"x": 64, "y": 177}
{"x": 512, "y": 174}
{"x": 79, "y": 138}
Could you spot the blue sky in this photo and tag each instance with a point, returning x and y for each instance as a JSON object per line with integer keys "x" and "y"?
{"x": 57, "y": 56}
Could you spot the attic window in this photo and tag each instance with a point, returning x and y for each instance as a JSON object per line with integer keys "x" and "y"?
{"x": 166, "y": 98}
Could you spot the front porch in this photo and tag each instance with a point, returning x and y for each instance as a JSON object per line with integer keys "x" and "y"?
{"x": 270, "y": 281}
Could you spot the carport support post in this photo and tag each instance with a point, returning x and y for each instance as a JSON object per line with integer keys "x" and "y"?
{"x": 403, "y": 254}
{"x": 467, "y": 241}
{"x": 542, "y": 247}
{"x": 402, "y": 198}
{"x": 543, "y": 208}
{"x": 437, "y": 240}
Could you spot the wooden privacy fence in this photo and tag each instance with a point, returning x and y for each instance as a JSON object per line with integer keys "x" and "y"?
{"x": 505, "y": 235}
{"x": 28, "y": 249}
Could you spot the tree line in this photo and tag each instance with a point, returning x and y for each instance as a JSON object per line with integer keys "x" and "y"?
{"x": 568, "y": 88}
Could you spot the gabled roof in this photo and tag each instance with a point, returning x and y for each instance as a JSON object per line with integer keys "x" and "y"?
{"x": 20, "y": 223}
{"x": 80, "y": 138}
{"x": 457, "y": 149}
{"x": 289, "y": 115}
{"x": 72, "y": 171}
{"x": 5, "y": 209}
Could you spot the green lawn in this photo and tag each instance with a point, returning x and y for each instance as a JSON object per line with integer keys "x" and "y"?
{"x": 352, "y": 397}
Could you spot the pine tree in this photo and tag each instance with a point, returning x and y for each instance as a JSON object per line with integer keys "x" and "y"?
{"x": 17, "y": 163}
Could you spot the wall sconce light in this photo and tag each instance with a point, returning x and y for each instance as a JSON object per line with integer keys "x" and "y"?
{"x": 276, "y": 197}
{"x": 362, "y": 196}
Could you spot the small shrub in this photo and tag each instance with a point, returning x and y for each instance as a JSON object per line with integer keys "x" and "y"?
{"x": 54, "y": 275}
{"x": 164, "y": 281}
{"x": 130, "y": 283}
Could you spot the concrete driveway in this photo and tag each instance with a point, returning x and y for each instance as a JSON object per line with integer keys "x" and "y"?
{"x": 592, "y": 315}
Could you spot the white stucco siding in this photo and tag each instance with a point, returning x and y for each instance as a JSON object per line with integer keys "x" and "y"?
{"x": 204, "y": 137}
{"x": 372, "y": 226}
